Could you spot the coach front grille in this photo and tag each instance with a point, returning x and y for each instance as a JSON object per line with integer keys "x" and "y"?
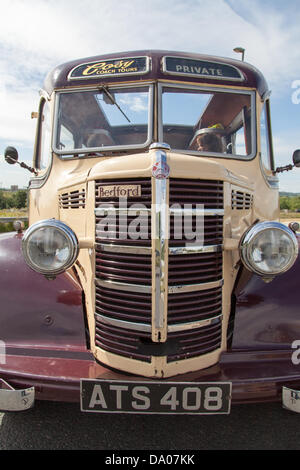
{"x": 124, "y": 274}
{"x": 194, "y": 306}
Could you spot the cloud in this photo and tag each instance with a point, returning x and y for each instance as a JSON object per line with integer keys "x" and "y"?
{"x": 271, "y": 33}
{"x": 36, "y": 35}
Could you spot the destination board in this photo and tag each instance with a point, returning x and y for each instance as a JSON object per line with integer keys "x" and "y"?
{"x": 201, "y": 68}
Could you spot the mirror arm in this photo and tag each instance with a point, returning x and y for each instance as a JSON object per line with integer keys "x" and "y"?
{"x": 23, "y": 165}
{"x": 29, "y": 168}
{"x": 280, "y": 169}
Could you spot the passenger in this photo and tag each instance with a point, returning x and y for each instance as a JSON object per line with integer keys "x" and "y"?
{"x": 210, "y": 139}
{"x": 209, "y": 143}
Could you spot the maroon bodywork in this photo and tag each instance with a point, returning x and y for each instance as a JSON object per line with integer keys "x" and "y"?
{"x": 58, "y": 78}
{"x": 47, "y": 344}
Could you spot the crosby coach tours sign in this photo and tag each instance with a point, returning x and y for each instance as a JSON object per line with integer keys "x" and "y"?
{"x": 110, "y": 67}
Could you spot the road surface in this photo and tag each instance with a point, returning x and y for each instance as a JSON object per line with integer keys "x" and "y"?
{"x": 57, "y": 426}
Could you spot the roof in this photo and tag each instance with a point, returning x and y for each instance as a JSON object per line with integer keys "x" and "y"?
{"x": 155, "y": 64}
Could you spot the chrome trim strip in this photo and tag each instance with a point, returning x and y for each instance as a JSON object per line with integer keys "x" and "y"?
{"x": 145, "y": 327}
{"x": 193, "y": 325}
{"x": 124, "y": 324}
{"x": 146, "y": 211}
{"x": 159, "y": 146}
{"x": 185, "y": 250}
{"x": 101, "y": 211}
{"x": 195, "y": 287}
{"x": 190, "y": 211}
{"x": 123, "y": 286}
{"x": 271, "y": 181}
{"x": 140, "y": 250}
{"x": 161, "y": 215}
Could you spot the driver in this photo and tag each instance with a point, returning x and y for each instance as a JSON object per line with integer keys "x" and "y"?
{"x": 209, "y": 143}
{"x": 209, "y": 139}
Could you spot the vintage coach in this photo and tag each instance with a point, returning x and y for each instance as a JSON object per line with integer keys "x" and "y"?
{"x": 154, "y": 276}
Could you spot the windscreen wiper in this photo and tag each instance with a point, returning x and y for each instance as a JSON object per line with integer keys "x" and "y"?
{"x": 113, "y": 101}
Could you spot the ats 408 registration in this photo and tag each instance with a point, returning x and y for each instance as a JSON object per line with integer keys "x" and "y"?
{"x": 104, "y": 396}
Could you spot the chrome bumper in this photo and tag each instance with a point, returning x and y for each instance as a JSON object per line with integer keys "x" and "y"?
{"x": 15, "y": 400}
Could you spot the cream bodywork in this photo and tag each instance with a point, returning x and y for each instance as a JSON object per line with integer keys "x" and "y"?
{"x": 78, "y": 174}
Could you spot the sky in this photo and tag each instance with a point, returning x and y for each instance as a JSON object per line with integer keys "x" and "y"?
{"x": 37, "y": 35}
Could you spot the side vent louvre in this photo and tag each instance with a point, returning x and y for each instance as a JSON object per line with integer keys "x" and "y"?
{"x": 72, "y": 200}
{"x": 241, "y": 200}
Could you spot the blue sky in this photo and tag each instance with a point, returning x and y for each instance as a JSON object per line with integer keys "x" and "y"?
{"x": 36, "y": 35}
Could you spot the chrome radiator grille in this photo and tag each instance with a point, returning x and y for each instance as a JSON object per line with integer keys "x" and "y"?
{"x": 195, "y": 268}
{"x": 187, "y": 191}
{"x": 122, "y": 267}
{"x": 124, "y": 275}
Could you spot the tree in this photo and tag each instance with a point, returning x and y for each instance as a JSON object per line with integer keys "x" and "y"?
{"x": 20, "y": 199}
{"x": 2, "y": 201}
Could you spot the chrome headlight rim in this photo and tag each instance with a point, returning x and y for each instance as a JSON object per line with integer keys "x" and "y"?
{"x": 256, "y": 230}
{"x": 62, "y": 227}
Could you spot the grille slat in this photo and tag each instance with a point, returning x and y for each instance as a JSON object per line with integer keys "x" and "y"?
{"x": 194, "y": 306}
{"x": 212, "y": 231}
{"x": 187, "y": 191}
{"x": 128, "y": 306}
{"x": 197, "y": 342}
{"x": 121, "y": 341}
{"x": 187, "y": 269}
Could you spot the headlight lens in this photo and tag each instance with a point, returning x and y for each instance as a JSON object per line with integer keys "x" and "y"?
{"x": 269, "y": 248}
{"x": 50, "y": 247}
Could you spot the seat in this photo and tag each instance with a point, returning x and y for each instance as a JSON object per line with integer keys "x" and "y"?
{"x": 100, "y": 138}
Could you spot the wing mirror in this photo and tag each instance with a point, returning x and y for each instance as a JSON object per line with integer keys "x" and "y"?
{"x": 11, "y": 156}
{"x": 296, "y": 158}
{"x": 296, "y": 163}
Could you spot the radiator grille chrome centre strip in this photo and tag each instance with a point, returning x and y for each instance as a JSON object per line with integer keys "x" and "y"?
{"x": 160, "y": 240}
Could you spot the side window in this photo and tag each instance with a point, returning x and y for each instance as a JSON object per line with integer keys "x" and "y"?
{"x": 265, "y": 138}
{"x": 44, "y": 136}
{"x": 240, "y": 142}
{"x": 66, "y": 139}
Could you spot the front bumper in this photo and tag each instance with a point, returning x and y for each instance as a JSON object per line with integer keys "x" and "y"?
{"x": 56, "y": 375}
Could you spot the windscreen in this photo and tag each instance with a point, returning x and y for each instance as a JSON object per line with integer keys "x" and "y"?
{"x": 105, "y": 118}
{"x": 208, "y": 121}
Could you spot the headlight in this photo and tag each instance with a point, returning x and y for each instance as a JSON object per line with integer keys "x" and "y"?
{"x": 269, "y": 248}
{"x": 50, "y": 247}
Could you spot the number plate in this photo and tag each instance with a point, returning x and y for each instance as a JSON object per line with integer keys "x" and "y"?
{"x": 102, "y": 396}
